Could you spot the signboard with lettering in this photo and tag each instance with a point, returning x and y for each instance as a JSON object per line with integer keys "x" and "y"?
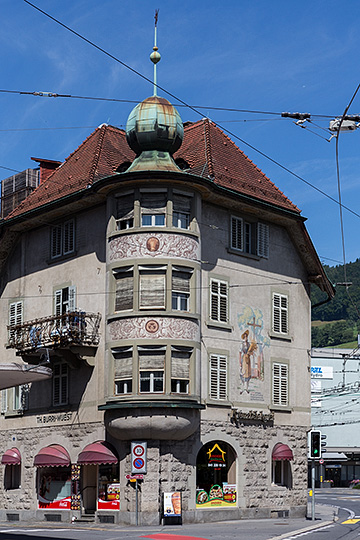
{"x": 322, "y": 372}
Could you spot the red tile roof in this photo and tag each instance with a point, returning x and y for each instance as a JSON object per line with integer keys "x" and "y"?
{"x": 207, "y": 150}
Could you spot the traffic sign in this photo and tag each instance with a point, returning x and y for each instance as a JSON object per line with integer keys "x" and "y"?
{"x": 134, "y": 477}
{"x": 321, "y": 461}
{"x": 138, "y": 457}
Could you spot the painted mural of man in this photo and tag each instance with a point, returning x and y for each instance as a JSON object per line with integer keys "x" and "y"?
{"x": 247, "y": 350}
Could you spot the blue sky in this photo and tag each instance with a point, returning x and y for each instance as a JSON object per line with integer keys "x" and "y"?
{"x": 265, "y": 56}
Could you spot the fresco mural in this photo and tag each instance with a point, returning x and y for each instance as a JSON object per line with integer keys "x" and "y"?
{"x": 252, "y": 352}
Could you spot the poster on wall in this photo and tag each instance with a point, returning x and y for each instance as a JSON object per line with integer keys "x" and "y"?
{"x": 172, "y": 504}
{"x": 110, "y": 498}
{"x": 224, "y": 495}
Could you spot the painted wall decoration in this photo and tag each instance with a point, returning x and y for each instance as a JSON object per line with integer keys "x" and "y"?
{"x": 252, "y": 353}
{"x": 144, "y": 327}
{"x": 154, "y": 245}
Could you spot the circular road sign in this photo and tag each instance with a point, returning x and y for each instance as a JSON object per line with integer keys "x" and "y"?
{"x": 321, "y": 461}
{"x": 138, "y": 450}
{"x": 138, "y": 463}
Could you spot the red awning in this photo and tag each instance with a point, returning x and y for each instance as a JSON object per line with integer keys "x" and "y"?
{"x": 52, "y": 456}
{"x": 98, "y": 453}
{"x": 282, "y": 452}
{"x": 11, "y": 457}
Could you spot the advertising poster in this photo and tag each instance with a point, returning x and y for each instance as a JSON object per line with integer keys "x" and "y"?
{"x": 172, "y": 504}
{"x": 217, "y": 496}
{"x": 111, "y": 499}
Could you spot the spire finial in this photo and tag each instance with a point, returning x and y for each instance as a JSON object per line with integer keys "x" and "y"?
{"x": 155, "y": 56}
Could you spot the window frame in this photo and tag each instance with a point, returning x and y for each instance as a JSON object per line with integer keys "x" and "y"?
{"x": 62, "y": 239}
{"x": 280, "y": 315}
{"x": 220, "y": 320}
{"x": 248, "y": 237}
{"x": 280, "y": 384}
{"x": 58, "y": 379}
{"x": 218, "y": 376}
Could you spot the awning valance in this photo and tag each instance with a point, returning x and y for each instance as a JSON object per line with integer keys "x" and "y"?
{"x": 282, "y": 452}
{"x": 54, "y": 455}
{"x": 98, "y": 453}
{"x": 11, "y": 457}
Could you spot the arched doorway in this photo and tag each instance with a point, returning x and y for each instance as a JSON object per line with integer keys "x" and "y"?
{"x": 216, "y": 475}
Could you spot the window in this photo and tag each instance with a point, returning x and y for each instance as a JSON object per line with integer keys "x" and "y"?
{"x": 124, "y": 297}
{"x": 218, "y": 377}
{"x": 123, "y": 370}
{"x": 60, "y": 383}
{"x": 15, "y": 318}
{"x": 280, "y": 384}
{"x": 153, "y": 208}
{"x": 180, "y": 288}
{"x": 249, "y": 237}
{"x": 281, "y": 473}
{"x": 4, "y": 401}
{"x": 152, "y": 287}
{"x": 181, "y": 211}
{"x": 64, "y": 300}
{"x": 280, "y": 303}
{"x": 12, "y": 476}
{"x": 218, "y": 300}
{"x": 151, "y": 367}
{"x": 125, "y": 212}
{"x": 180, "y": 369}
{"x": 63, "y": 239}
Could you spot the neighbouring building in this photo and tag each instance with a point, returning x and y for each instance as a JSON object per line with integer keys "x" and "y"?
{"x": 166, "y": 282}
{"x": 335, "y": 411}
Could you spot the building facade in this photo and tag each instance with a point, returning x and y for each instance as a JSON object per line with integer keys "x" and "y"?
{"x": 335, "y": 410}
{"x": 166, "y": 282}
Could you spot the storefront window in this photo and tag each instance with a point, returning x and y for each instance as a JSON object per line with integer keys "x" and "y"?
{"x": 54, "y": 487}
{"x": 216, "y": 476}
{"x": 109, "y": 488}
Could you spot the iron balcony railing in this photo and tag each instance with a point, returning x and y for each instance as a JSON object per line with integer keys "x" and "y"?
{"x": 72, "y": 328}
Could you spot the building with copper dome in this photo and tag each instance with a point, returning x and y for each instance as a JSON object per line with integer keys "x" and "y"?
{"x": 166, "y": 282}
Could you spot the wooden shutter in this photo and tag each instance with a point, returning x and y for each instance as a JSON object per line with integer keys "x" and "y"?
{"x": 181, "y": 203}
{"x": 218, "y": 377}
{"x": 58, "y": 303}
{"x": 68, "y": 236}
{"x": 124, "y": 289}
{"x": 280, "y": 384}
{"x": 237, "y": 233}
{"x": 180, "y": 363}
{"x": 56, "y": 241}
{"x": 4, "y": 401}
{"x": 181, "y": 280}
{"x": 123, "y": 363}
{"x": 152, "y": 288}
{"x": 153, "y": 203}
{"x": 72, "y": 299}
{"x": 125, "y": 207}
{"x": 263, "y": 240}
{"x": 280, "y": 313}
{"x": 219, "y": 300}
{"x": 151, "y": 359}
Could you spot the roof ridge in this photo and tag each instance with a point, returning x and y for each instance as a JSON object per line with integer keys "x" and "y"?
{"x": 97, "y": 152}
{"x": 208, "y": 155}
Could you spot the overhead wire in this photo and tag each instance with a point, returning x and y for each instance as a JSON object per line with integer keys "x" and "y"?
{"x": 191, "y": 107}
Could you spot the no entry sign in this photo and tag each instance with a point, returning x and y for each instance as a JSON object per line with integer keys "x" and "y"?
{"x": 138, "y": 457}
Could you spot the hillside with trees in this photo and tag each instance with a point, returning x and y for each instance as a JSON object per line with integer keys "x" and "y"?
{"x": 338, "y": 321}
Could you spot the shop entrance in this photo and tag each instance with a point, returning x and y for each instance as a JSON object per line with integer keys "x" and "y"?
{"x": 216, "y": 475}
{"x": 89, "y": 488}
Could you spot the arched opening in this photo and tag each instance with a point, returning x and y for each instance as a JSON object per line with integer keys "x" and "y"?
{"x": 281, "y": 468}
{"x": 216, "y": 475}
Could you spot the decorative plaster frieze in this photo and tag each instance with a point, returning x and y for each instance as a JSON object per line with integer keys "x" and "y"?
{"x": 146, "y": 327}
{"x": 154, "y": 245}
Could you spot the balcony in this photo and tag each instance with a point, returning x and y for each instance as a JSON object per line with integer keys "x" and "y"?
{"x": 70, "y": 336}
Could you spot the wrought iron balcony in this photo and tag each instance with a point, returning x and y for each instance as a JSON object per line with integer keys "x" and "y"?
{"x": 63, "y": 331}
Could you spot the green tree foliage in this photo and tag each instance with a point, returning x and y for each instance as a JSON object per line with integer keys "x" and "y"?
{"x": 342, "y": 312}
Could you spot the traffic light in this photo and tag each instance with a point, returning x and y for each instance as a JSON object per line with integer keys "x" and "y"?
{"x": 315, "y": 444}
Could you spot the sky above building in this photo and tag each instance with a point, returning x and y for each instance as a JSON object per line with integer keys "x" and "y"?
{"x": 269, "y": 57}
